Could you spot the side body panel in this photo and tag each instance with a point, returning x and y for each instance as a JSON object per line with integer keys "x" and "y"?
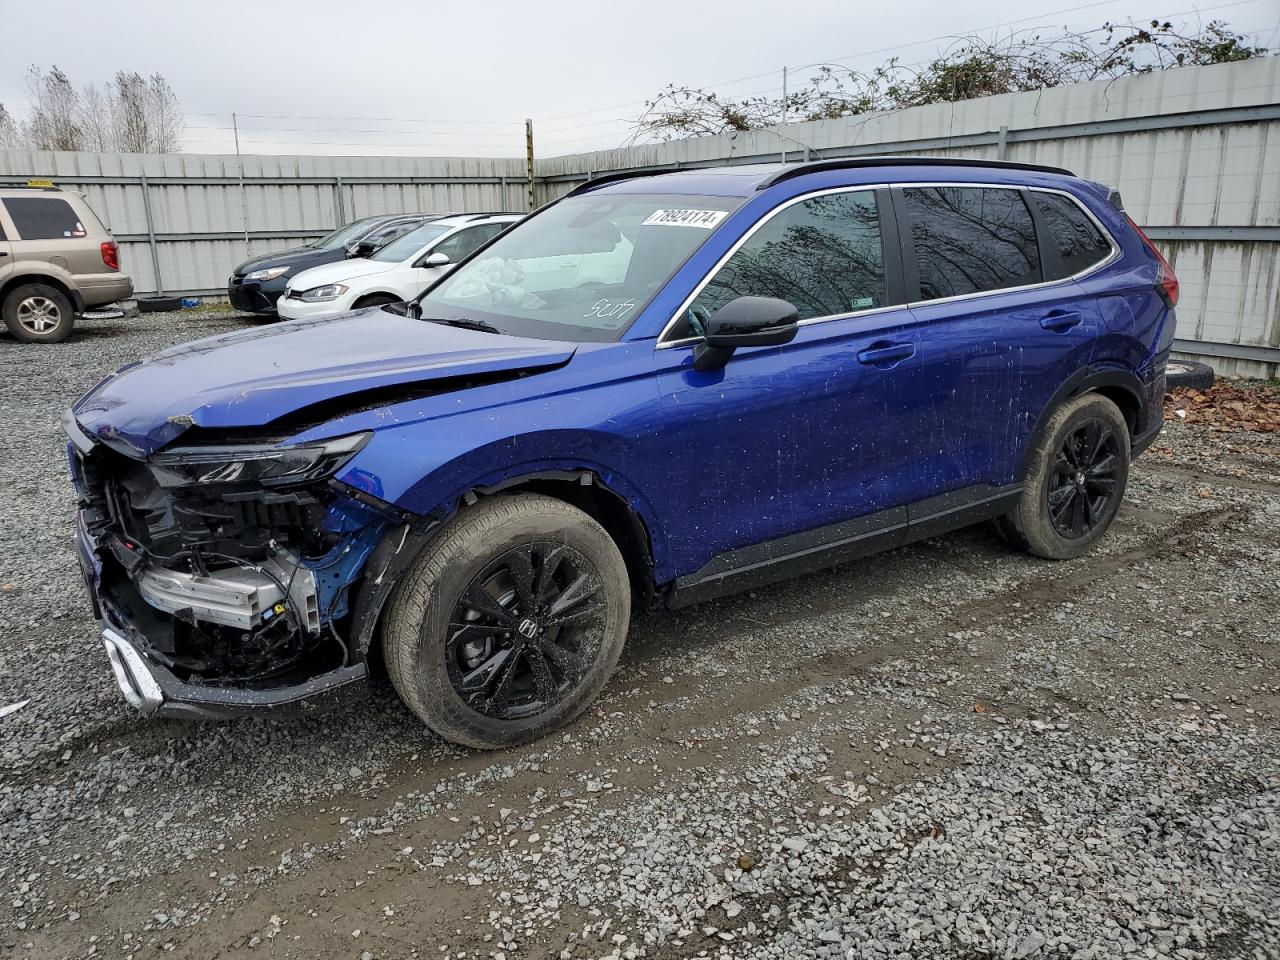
{"x": 988, "y": 368}
{"x": 790, "y": 438}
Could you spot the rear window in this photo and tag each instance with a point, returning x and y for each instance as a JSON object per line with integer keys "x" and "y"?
{"x": 1080, "y": 244}
{"x": 971, "y": 240}
{"x": 44, "y": 218}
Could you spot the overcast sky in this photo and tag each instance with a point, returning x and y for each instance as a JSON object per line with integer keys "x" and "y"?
{"x": 442, "y": 78}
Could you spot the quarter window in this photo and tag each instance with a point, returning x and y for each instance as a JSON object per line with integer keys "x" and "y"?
{"x": 971, "y": 239}
{"x": 44, "y": 218}
{"x": 823, "y": 255}
{"x": 1080, "y": 244}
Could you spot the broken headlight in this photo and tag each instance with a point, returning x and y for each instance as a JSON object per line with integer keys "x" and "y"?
{"x": 263, "y": 464}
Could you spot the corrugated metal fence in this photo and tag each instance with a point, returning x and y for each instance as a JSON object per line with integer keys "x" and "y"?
{"x": 1195, "y": 153}
{"x": 184, "y": 221}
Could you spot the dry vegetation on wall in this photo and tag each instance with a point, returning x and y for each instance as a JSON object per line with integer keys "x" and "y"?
{"x": 970, "y": 67}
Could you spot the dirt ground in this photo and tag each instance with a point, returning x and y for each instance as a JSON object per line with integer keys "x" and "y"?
{"x": 950, "y": 750}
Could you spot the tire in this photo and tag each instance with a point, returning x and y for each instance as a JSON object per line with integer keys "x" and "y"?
{"x": 159, "y": 304}
{"x": 1188, "y": 374}
{"x": 1071, "y": 494}
{"x": 38, "y": 313}
{"x": 374, "y": 300}
{"x": 433, "y": 639}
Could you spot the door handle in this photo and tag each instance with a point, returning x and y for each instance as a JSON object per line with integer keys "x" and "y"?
{"x": 1060, "y": 320}
{"x": 885, "y": 353}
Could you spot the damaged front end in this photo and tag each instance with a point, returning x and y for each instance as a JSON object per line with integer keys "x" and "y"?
{"x": 224, "y": 576}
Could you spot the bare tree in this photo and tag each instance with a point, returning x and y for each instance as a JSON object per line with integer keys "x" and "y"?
{"x": 970, "y": 67}
{"x": 10, "y": 135}
{"x": 96, "y": 123}
{"x": 132, "y": 113}
{"x": 55, "y": 111}
{"x": 146, "y": 114}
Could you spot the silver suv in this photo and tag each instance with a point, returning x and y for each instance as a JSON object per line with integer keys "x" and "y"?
{"x": 56, "y": 260}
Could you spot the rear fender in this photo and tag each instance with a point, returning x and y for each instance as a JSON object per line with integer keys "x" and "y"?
{"x": 1082, "y": 381}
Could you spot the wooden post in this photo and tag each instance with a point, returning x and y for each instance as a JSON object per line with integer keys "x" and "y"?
{"x": 528, "y": 148}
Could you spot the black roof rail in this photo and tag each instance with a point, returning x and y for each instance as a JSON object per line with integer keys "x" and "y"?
{"x": 791, "y": 171}
{"x": 618, "y": 175}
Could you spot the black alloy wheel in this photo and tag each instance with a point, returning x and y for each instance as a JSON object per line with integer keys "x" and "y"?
{"x": 1084, "y": 480}
{"x": 525, "y": 631}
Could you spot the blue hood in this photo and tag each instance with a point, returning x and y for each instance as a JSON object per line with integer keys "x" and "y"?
{"x": 252, "y": 377}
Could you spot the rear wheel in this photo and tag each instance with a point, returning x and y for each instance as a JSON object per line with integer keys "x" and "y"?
{"x": 510, "y": 623}
{"x": 1075, "y": 483}
{"x": 38, "y": 313}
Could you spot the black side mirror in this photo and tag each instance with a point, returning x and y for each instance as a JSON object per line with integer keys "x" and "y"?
{"x": 365, "y": 248}
{"x": 745, "y": 322}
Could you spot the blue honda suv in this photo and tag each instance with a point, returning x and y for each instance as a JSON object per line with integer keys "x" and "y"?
{"x": 659, "y": 389}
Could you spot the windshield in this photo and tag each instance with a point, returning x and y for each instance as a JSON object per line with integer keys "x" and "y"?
{"x": 343, "y": 235}
{"x": 581, "y": 270}
{"x": 410, "y": 243}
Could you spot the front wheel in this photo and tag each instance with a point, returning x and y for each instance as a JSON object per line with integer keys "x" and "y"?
{"x": 374, "y": 300}
{"x": 1075, "y": 482}
{"x": 38, "y": 313}
{"x": 510, "y": 623}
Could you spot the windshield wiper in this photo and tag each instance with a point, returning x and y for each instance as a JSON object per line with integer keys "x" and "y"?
{"x": 466, "y": 323}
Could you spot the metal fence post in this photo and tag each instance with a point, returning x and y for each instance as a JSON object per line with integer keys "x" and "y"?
{"x": 151, "y": 233}
{"x": 1002, "y": 142}
{"x": 342, "y": 206}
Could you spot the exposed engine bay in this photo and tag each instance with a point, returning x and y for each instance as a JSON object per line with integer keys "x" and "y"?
{"x": 221, "y": 578}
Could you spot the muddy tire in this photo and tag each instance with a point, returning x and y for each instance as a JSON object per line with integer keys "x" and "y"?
{"x": 1075, "y": 482}
{"x": 509, "y": 624}
{"x": 38, "y": 313}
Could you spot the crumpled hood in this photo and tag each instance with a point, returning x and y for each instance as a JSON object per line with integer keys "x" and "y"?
{"x": 339, "y": 272}
{"x": 252, "y": 377}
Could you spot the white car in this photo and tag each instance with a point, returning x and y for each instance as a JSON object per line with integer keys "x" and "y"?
{"x": 399, "y": 271}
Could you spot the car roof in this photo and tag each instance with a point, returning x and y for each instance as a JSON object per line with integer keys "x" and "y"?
{"x": 458, "y": 219}
{"x": 743, "y": 180}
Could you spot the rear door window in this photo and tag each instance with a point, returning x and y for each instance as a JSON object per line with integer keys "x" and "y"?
{"x": 1079, "y": 242}
{"x": 465, "y": 242}
{"x": 823, "y": 255}
{"x": 971, "y": 240}
{"x": 44, "y": 218}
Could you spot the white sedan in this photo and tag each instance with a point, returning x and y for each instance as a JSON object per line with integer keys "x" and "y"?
{"x": 399, "y": 271}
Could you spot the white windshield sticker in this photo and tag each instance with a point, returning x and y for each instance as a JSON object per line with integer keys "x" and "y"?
{"x": 706, "y": 219}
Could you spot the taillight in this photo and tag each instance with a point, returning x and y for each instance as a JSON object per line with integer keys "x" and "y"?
{"x": 1166, "y": 279}
{"x": 110, "y": 255}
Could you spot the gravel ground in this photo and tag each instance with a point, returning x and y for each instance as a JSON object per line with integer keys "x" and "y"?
{"x": 950, "y": 750}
